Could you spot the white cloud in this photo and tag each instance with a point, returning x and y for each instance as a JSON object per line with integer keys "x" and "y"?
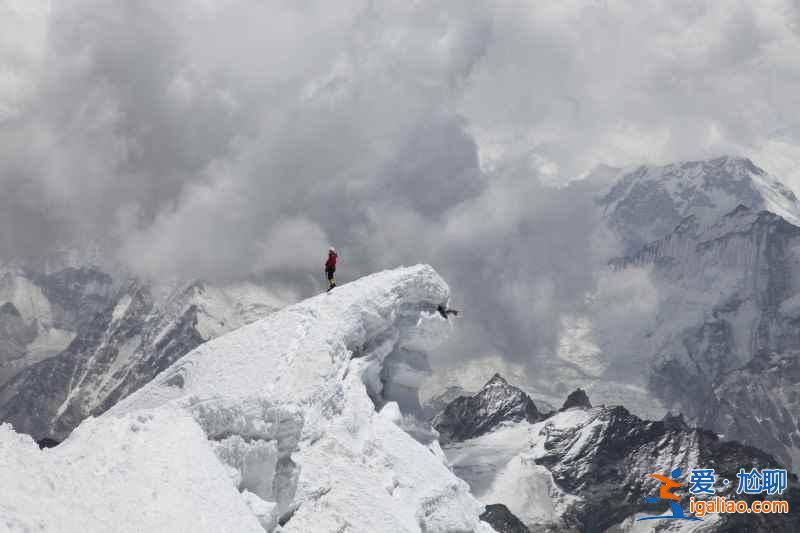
{"x": 292, "y": 244}
{"x": 214, "y": 138}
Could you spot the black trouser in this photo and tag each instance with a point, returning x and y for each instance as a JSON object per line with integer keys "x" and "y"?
{"x": 330, "y": 272}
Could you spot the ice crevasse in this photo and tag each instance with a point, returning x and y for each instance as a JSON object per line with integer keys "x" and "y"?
{"x": 294, "y": 423}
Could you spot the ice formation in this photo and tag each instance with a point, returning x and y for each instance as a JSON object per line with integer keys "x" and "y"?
{"x": 287, "y": 424}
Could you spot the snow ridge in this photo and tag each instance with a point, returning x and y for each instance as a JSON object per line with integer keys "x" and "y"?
{"x": 299, "y": 410}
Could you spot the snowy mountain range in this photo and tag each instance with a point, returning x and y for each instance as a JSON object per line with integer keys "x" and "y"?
{"x": 725, "y": 344}
{"x": 721, "y": 345}
{"x": 75, "y": 342}
{"x": 291, "y": 424}
{"x": 586, "y": 468}
{"x": 717, "y": 242}
{"x": 308, "y": 418}
{"x": 646, "y": 204}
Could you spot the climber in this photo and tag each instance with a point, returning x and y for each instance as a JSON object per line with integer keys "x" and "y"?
{"x": 444, "y": 311}
{"x": 330, "y": 267}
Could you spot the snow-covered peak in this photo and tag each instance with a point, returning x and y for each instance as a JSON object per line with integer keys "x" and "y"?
{"x": 577, "y": 398}
{"x": 649, "y": 202}
{"x": 297, "y": 409}
{"x": 497, "y": 402}
{"x": 742, "y": 220}
{"x": 496, "y": 381}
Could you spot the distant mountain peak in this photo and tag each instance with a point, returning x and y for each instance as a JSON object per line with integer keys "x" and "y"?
{"x": 496, "y": 380}
{"x": 577, "y": 398}
{"x": 502, "y": 519}
{"x": 731, "y": 160}
{"x": 675, "y": 422}
{"x": 739, "y": 210}
{"x": 649, "y": 202}
{"x": 10, "y": 309}
{"x": 497, "y": 402}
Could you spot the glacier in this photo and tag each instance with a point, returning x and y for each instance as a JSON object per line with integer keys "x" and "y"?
{"x": 290, "y": 424}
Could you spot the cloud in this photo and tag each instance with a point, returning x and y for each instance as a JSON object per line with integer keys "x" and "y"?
{"x": 231, "y": 138}
{"x": 627, "y": 81}
{"x": 291, "y": 244}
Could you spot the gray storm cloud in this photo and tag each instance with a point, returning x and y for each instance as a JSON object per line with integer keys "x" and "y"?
{"x": 233, "y": 138}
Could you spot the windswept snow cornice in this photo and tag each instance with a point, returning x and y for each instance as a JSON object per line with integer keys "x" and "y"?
{"x": 303, "y": 412}
{"x": 300, "y": 352}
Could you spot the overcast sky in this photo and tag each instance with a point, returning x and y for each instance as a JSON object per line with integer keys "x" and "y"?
{"x": 231, "y": 138}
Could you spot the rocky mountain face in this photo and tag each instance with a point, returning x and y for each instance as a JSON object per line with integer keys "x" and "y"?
{"x": 40, "y": 313}
{"x": 587, "y": 469}
{"x": 502, "y": 520}
{"x": 649, "y": 202}
{"x": 577, "y": 398}
{"x": 15, "y": 333}
{"x": 435, "y": 405}
{"x": 117, "y": 338}
{"x": 471, "y": 416}
{"x": 725, "y": 345}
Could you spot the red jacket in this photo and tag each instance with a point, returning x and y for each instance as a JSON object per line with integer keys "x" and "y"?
{"x": 330, "y": 264}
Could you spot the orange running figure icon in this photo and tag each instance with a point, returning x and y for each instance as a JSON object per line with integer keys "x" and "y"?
{"x": 667, "y": 484}
{"x": 665, "y": 493}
